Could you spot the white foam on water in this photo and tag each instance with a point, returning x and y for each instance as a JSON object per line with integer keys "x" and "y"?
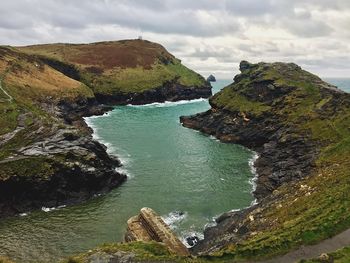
{"x": 251, "y": 163}
{"x": 174, "y": 218}
{"x": 211, "y": 222}
{"x": 23, "y": 214}
{"x": 253, "y": 180}
{"x": 214, "y": 138}
{"x": 190, "y": 233}
{"x": 49, "y": 209}
{"x": 167, "y": 103}
{"x": 111, "y": 150}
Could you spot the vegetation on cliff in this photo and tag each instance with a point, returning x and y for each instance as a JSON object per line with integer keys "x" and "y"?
{"x": 47, "y": 154}
{"x": 44, "y": 159}
{"x": 281, "y": 109}
{"x": 128, "y": 66}
{"x": 127, "y": 252}
{"x": 297, "y": 208}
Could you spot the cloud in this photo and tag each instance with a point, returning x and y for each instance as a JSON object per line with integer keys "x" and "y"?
{"x": 209, "y": 36}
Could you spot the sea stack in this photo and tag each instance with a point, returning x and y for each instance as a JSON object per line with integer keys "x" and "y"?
{"x": 211, "y": 78}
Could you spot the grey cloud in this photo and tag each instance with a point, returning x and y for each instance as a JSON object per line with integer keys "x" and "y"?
{"x": 200, "y": 32}
{"x": 307, "y": 28}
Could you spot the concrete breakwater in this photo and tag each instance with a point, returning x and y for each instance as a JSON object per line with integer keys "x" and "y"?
{"x": 149, "y": 226}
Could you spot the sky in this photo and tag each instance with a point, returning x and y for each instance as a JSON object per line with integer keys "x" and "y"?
{"x": 209, "y": 36}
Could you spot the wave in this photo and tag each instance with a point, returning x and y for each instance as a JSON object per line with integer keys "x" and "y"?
{"x": 23, "y": 214}
{"x": 253, "y": 180}
{"x": 167, "y": 103}
{"x": 212, "y": 137}
{"x": 173, "y": 219}
{"x": 111, "y": 150}
{"x": 49, "y": 209}
{"x": 190, "y": 234}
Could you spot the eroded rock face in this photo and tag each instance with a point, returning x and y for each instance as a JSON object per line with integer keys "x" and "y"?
{"x": 170, "y": 91}
{"x": 62, "y": 165}
{"x": 149, "y": 226}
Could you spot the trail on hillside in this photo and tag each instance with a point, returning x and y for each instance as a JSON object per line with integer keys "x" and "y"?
{"x": 307, "y": 252}
{"x": 10, "y": 98}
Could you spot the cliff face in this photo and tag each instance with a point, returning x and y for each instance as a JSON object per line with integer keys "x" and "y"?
{"x": 47, "y": 154}
{"x": 299, "y": 125}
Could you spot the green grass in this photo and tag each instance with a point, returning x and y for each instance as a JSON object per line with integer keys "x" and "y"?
{"x": 229, "y": 99}
{"x": 8, "y": 117}
{"x": 36, "y": 167}
{"x": 137, "y": 80}
{"x": 141, "y": 250}
{"x": 339, "y": 256}
{"x": 130, "y": 66}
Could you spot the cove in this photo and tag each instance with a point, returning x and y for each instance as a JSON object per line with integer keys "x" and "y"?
{"x": 187, "y": 177}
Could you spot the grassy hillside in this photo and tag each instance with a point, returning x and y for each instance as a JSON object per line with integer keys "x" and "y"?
{"x": 317, "y": 207}
{"x": 30, "y": 91}
{"x": 126, "y": 66}
{"x": 27, "y": 83}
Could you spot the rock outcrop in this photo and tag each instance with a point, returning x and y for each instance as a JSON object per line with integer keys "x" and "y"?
{"x": 169, "y": 91}
{"x": 291, "y": 118}
{"x": 149, "y": 226}
{"x": 211, "y": 78}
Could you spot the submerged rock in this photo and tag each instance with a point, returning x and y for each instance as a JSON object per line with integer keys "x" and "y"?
{"x": 192, "y": 240}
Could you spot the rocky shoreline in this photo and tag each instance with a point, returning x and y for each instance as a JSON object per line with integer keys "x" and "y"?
{"x": 286, "y": 153}
{"x": 79, "y": 167}
{"x": 282, "y": 158}
{"x": 170, "y": 91}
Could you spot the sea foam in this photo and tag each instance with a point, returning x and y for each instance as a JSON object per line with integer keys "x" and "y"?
{"x": 167, "y": 103}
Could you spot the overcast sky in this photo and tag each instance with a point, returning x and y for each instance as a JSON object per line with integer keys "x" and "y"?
{"x": 210, "y": 36}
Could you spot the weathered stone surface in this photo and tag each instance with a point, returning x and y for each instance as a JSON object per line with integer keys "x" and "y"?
{"x": 149, "y": 226}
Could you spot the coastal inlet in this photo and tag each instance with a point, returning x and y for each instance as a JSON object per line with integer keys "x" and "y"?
{"x": 187, "y": 177}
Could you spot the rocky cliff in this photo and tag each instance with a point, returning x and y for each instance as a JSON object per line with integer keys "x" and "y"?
{"x": 299, "y": 125}
{"x": 47, "y": 154}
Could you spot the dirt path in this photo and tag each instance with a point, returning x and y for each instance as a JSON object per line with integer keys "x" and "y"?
{"x": 329, "y": 245}
{"x": 4, "y": 91}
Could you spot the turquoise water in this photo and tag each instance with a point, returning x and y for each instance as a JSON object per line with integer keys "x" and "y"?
{"x": 342, "y": 83}
{"x": 170, "y": 169}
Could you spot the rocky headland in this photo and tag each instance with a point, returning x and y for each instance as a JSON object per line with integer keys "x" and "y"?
{"x": 48, "y": 157}
{"x": 299, "y": 125}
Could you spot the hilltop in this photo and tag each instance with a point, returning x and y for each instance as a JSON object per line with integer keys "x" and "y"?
{"x": 125, "y": 71}
{"x": 47, "y": 154}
